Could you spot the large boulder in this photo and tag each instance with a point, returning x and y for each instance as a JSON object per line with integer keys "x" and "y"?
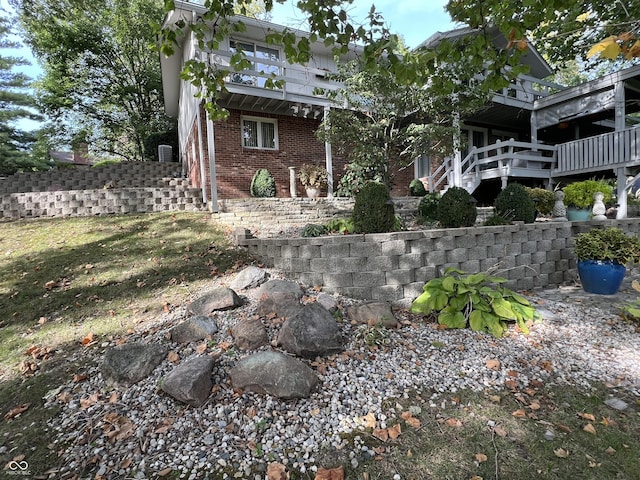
{"x": 274, "y": 373}
{"x": 250, "y": 334}
{"x": 190, "y": 382}
{"x": 250, "y": 277}
{"x": 311, "y": 332}
{"x": 129, "y": 363}
{"x": 280, "y": 298}
{"x": 193, "y": 329}
{"x": 374, "y": 313}
{"x": 219, "y": 298}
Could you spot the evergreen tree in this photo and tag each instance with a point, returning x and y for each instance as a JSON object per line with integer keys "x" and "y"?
{"x": 16, "y": 103}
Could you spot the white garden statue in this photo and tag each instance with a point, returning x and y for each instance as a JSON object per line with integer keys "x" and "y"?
{"x": 599, "y": 209}
{"x": 559, "y": 211}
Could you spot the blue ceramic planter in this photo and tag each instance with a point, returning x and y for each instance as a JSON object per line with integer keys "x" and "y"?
{"x": 578, "y": 214}
{"x": 601, "y": 277}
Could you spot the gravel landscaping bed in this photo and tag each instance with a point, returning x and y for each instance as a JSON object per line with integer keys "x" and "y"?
{"x": 140, "y": 432}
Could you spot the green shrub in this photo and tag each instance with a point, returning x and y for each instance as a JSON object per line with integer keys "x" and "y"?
{"x": 580, "y": 194}
{"x": 495, "y": 220}
{"x": 263, "y": 184}
{"x": 106, "y": 161}
{"x": 456, "y": 209}
{"x": 356, "y": 177}
{"x": 428, "y": 208}
{"x": 416, "y": 188}
{"x": 313, "y": 230}
{"x": 543, "y": 199}
{"x": 476, "y": 300}
{"x": 373, "y": 211}
{"x": 340, "y": 225}
{"x": 515, "y": 203}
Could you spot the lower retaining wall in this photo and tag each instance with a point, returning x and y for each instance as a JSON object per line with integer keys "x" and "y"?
{"x": 395, "y": 266}
{"x": 81, "y": 203}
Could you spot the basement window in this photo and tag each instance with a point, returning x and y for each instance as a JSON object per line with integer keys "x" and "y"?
{"x": 259, "y": 133}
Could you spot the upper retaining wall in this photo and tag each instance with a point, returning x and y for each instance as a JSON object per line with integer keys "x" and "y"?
{"x": 395, "y": 266}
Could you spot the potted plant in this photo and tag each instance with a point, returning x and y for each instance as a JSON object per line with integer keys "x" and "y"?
{"x": 578, "y": 197}
{"x": 313, "y": 178}
{"x": 602, "y": 255}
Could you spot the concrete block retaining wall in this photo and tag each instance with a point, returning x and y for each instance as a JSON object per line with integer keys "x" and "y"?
{"x": 395, "y": 266}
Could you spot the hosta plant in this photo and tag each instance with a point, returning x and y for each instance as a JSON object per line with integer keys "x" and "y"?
{"x": 477, "y": 300}
{"x": 631, "y": 311}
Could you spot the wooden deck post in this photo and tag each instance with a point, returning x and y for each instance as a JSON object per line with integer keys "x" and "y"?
{"x": 621, "y": 192}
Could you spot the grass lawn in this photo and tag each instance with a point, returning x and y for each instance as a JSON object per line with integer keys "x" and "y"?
{"x": 63, "y": 279}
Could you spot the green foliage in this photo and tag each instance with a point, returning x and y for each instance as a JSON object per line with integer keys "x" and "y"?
{"x": 428, "y": 208}
{"x": 495, "y": 220}
{"x": 106, "y": 161}
{"x": 340, "y": 225}
{"x": 100, "y": 72}
{"x": 456, "y": 209}
{"x": 263, "y": 184}
{"x": 580, "y": 194}
{"x": 474, "y": 300}
{"x": 514, "y": 202}
{"x": 607, "y": 244}
{"x": 16, "y": 103}
{"x": 543, "y": 199}
{"x": 631, "y": 311}
{"x": 373, "y": 211}
{"x": 372, "y": 335}
{"x": 313, "y": 230}
{"x": 416, "y": 188}
{"x": 357, "y": 175}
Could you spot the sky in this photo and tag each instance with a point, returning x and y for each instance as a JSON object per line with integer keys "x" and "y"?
{"x": 415, "y": 20}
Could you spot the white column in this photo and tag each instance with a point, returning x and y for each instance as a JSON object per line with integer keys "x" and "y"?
{"x": 211, "y": 150}
{"x": 457, "y": 154}
{"x": 618, "y": 93}
{"x": 203, "y": 178}
{"x": 328, "y": 156}
{"x": 622, "y": 193}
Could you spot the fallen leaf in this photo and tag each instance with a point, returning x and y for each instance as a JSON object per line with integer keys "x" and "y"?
{"x": 453, "y": 422}
{"x": 500, "y": 431}
{"x": 64, "y": 397}
{"x": 610, "y": 451}
{"x": 80, "y": 377}
{"x": 534, "y": 406}
{"x": 201, "y": 348}
{"x": 563, "y": 428}
{"x": 587, "y": 416}
{"x": 173, "y": 357}
{"x": 561, "y": 453}
{"x": 512, "y": 373}
{"x": 481, "y": 457}
{"x": 330, "y": 474}
{"x": 512, "y": 384}
{"x": 114, "y": 397}
{"x": 520, "y": 413}
{"x": 493, "y": 364}
{"x": 277, "y": 471}
{"x": 395, "y": 431}
{"x": 589, "y": 429}
{"x": 413, "y": 422}
{"x": 381, "y": 434}
{"x": 91, "y": 400}
{"x": 546, "y": 365}
{"x": 126, "y": 463}
{"x": 495, "y": 398}
{"x": 369, "y": 420}
{"x": 165, "y": 472}
{"x": 87, "y": 339}
{"x": 15, "y": 411}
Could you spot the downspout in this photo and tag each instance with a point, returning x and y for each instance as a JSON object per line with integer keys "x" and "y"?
{"x": 203, "y": 178}
{"x": 211, "y": 150}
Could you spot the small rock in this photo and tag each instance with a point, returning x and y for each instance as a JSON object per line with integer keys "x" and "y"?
{"x": 311, "y": 332}
{"x": 250, "y": 334}
{"x": 131, "y": 362}
{"x": 190, "y": 382}
{"x": 327, "y": 301}
{"x": 374, "y": 313}
{"x": 193, "y": 329}
{"x": 220, "y": 298}
{"x": 250, "y": 277}
{"x": 616, "y": 403}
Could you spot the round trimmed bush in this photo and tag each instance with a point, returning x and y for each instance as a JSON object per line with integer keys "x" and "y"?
{"x": 373, "y": 211}
{"x": 456, "y": 209}
{"x": 515, "y": 203}
{"x": 543, "y": 199}
{"x": 416, "y": 188}
{"x": 428, "y": 208}
{"x": 263, "y": 184}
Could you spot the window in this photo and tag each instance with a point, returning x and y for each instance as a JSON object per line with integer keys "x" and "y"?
{"x": 255, "y": 53}
{"x": 259, "y": 133}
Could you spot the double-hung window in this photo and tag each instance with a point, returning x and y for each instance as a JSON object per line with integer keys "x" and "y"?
{"x": 258, "y": 132}
{"x": 260, "y": 58}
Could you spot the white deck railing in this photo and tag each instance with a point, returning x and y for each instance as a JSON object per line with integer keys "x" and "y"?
{"x": 601, "y": 152}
